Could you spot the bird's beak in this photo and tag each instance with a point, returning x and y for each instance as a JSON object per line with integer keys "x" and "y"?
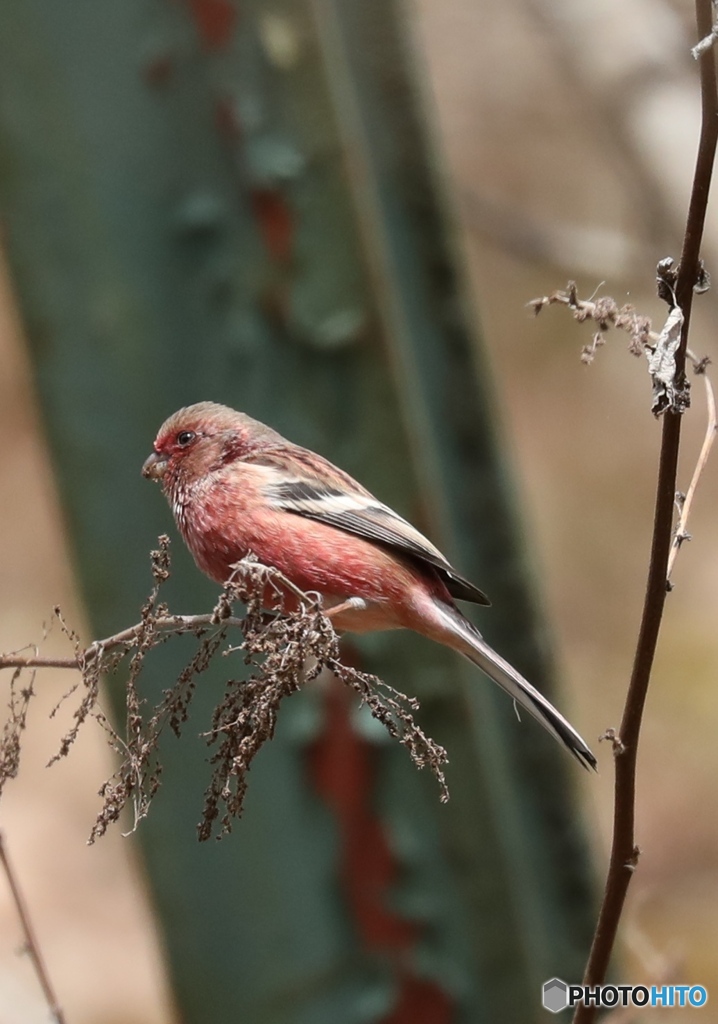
{"x": 154, "y": 467}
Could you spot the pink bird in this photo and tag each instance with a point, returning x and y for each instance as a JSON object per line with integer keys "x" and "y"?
{"x": 236, "y": 486}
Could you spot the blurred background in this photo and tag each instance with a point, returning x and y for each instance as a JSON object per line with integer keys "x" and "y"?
{"x": 550, "y": 140}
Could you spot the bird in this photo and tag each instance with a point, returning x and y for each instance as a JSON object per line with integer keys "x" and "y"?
{"x": 236, "y": 486}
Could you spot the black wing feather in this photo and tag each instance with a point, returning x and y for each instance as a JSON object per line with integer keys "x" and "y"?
{"x": 375, "y": 522}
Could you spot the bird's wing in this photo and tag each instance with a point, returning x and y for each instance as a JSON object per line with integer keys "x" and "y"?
{"x": 330, "y": 496}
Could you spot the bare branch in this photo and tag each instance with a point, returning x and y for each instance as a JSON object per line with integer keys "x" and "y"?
{"x": 681, "y": 533}
{"x": 32, "y": 947}
{"x": 624, "y": 851}
{"x": 171, "y": 625}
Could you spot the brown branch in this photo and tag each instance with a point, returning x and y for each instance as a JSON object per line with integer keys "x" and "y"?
{"x": 127, "y": 639}
{"x": 685, "y": 501}
{"x": 14, "y": 661}
{"x": 624, "y": 851}
{"x": 32, "y": 946}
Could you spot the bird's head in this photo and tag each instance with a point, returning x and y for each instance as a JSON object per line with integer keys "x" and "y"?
{"x": 199, "y": 440}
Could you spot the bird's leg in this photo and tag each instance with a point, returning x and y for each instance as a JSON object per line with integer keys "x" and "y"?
{"x": 352, "y": 604}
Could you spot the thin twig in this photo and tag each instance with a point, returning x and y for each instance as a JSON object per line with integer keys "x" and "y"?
{"x": 170, "y": 624}
{"x": 624, "y": 851}
{"x": 31, "y": 944}
{"x": 12, "y": 661}
{"x": 681, "y": 532}
{"x": 606, "y": 313}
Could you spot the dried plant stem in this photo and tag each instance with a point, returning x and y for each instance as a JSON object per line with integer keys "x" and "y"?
{"x": 170, "y": 624}
{"x": 31, "y": 944}
{"x": 285, "y": 641}
{"x": 624, "y": 852}
{"x": 36, "y": 661}
{"x": 681, "y": 532}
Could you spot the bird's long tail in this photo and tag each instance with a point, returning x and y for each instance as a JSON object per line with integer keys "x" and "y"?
{"x": 470, "y": 643}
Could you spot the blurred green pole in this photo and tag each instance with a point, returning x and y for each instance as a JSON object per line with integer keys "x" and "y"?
{"x": 238, "y": 202}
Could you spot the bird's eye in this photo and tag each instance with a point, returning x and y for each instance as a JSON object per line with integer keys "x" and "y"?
{"x": 185, "y": 437}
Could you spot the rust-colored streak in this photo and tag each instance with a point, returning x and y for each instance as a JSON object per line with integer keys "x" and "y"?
{"x": 215, "y": 21}
{"x": 341, "y": 763}
{"x": 342, "y": 768}
{"x": 226, "y": 120}
{"x": 275, "y": 220}
{"x": 421, "y": 1002}
{"x": 158, "y": 71}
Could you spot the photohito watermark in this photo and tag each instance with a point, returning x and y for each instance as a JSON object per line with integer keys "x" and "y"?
{"x": 557, "y": 995}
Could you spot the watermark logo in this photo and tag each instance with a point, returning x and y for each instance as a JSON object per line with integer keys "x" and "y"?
{"x": 556, "y": 995}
